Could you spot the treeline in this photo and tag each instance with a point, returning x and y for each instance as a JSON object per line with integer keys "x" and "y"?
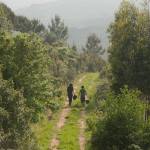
{"x": 121, "y": 121}
{"x": 35, "y": 62}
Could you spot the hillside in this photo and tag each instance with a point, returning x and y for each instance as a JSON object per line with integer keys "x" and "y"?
{"x": 82, "y": 16}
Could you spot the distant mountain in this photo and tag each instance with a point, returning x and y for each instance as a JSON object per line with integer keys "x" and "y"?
{"x": 82, "y": 16}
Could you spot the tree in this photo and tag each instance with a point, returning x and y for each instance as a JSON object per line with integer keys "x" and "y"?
{"x": 7, "y": 13}
{"x": 25, "y": 25}
{"x": 31, "y": 73}
{"x": 58, "y": 32}
{"x": 120, "y": 125}
{"x": 91, "y": 56}
{"x": 6, "y": 54}
{"x": 37, "y": 27}
{"x": 124, "y": 38}
{"x": 25, "y": 61}
{"x": 129, "y": 50}
{"x": 64, "y": 61}
{"x": 6, "y": 21}
{"x": 14, "y": 117}
{"x": 93, "y": 45}
{"x": 5, "y": 24}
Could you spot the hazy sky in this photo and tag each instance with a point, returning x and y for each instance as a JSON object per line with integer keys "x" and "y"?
{"x": 15, "y": 4}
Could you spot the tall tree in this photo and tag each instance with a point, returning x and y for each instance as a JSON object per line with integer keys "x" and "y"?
{"x": 93, "y": 45}
{"x": 6, "y": 54}
{"x": 25, "y": 25}
{"x": 6, "y": 17}
{"x": 37, "y": 27}
{"x": 57, "y": 31}
{"x": 15, "y": 130}
{"x": 123, "y": 48}
{"x": 5, "y": 24}
{"x": 31, "y": 72}
{"x": 91, "y": 56}
{"x": 7, "y": 13}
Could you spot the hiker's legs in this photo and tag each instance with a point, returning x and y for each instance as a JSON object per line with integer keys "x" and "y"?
{"x": 70, "y": 100}
{"x": 83, "y": 101}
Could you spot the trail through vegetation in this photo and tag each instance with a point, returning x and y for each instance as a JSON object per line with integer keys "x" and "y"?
{"x": 82, "y": 130}
{"x": 64, "y": 113}
{"x": 36, "y": 64}
{"x": 69, "y": 133}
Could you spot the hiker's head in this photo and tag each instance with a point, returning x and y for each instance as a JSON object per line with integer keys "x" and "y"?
{"x": 71, "y": 85}
{"x": 82, "y": 87}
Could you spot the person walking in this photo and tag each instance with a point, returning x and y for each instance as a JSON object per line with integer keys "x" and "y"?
{"x": 70, "y": 93}
{"x": 83, "y": 95}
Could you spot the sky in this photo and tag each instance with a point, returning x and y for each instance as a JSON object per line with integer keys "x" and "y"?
{"x": 16, "y": 4}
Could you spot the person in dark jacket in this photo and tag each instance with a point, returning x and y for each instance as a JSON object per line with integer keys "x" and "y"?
{"x": 70, "y": 92}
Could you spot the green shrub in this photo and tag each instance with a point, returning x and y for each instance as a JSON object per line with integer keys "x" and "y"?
{"x": 53, "y": 105}
{"x": 145, "y": 138}
{"x": 91, "y": 121}
{"x": 15, "y": 130}
{"x": 122, "y": 123}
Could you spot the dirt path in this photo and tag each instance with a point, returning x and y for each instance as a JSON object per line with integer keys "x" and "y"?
{"x": 82, "y": 126}
{"x": 65, "y": 112}
{"x": 82, "y": 130}
{"x": 55, "y": 141}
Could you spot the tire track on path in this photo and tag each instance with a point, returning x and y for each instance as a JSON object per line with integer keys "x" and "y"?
{"x": 82, "y": 125}
{"x": 54, "y": 144}
{"x": 64, "y": 113}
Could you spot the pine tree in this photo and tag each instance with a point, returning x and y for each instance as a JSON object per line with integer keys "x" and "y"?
{"x": 91, "y": 56}
{"x": 58, "y": 32}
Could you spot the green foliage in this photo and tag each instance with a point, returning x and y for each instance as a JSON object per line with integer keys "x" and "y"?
{"x": 6, "y": 18}
{"x": 92, "y": 121}
{"x": 37, "y": 27}
{"x": 6, "y": 54}
{"x": 129, "y": 50}
{"x": 31, "y": 72}
{"x": 120, "y": 126}
{"x": 25, "y": 25}
{"x": 145, "y": 142}
{"x": 25, "y": 61}
{"x": 90, "y": 59}
{"x": 63, "y": 62}
{"x": 14, "y": 113}
{"x": 5, "y": 24}
{"x": 7, "y": 13}
{"x": 58, "y": 32}
{"x": 9, "y": 21}
{"x": 93, "y": 45}
{"x": 53, "y": 105}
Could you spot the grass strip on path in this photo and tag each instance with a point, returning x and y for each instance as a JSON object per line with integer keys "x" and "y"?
{"x": 70, "y": 133}
{"x": 44, "y": 130}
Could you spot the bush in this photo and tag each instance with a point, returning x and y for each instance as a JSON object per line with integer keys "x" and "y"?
{"x": 122, "y": 122}
{"x": 53, "y": 105}
{"x": 145, "y": 138}
{"x": 14, "y": 117}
